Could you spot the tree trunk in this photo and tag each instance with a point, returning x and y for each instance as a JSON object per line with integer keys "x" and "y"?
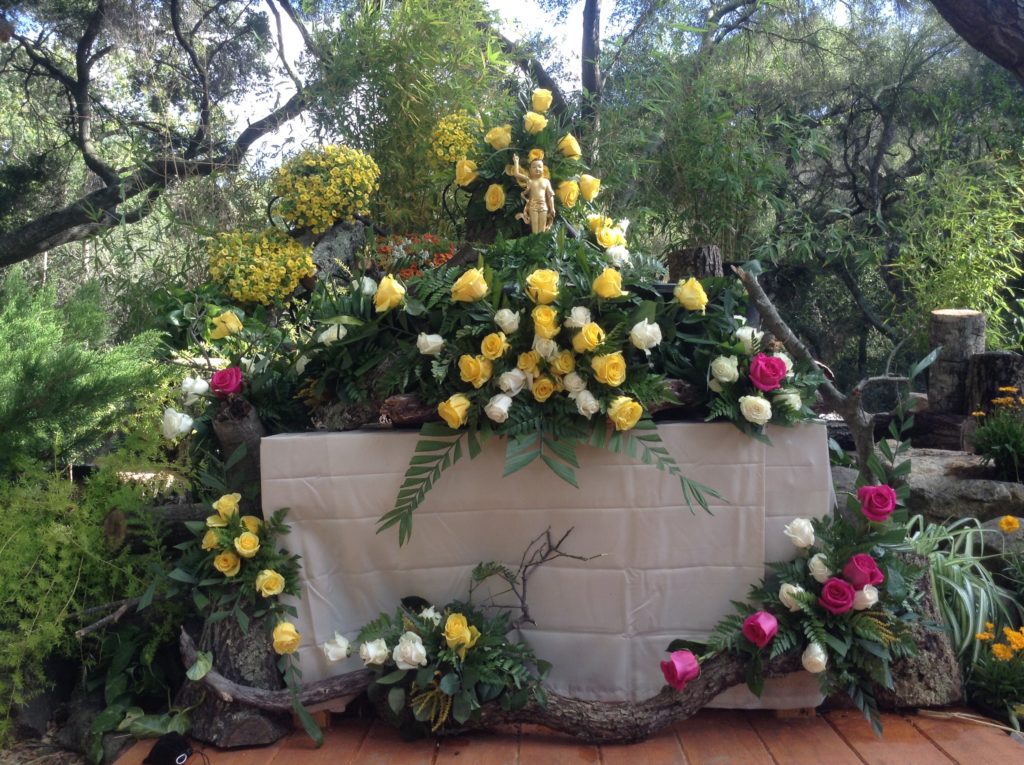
{"x": 961, "y": 333}
{"x": 247, "y": 658}
{"x": 993, "y": 27}
{"x": 590, "y": 74}
{"x": 238, "y": 426}
{"x": 694, "y": 261}
{"x": 987, "y": 372}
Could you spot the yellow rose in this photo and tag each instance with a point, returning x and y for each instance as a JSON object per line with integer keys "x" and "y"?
{"x": 535, "y": 154}
{"x": 542, "y": 286}
{"x": 454, "y": 411}
{"x": 533, "y": 123}
{"x": 541, "y": 99}
{"x": 251, "y": 523}
{"x": 494, "y": 346}
{"x": 595, "y": 221}
{"x": 247, "y": 544}
{"x": 459, "y": 635}
{"x": 390, "y": 294}
{"x": 691, "y": 295}
{"x": 545, "y": 321}
{"x": 469, "y": 287}
{"x": 570, "y": 147}
{"x": 211, "y": 540}
{"x": 542, "y": 388}
{"x": 216, "y": 522}
{"x": 624, "y": 412}
{"x": 286, "y": 638}
{"x": 528, "y": 362}
{"x": 568, "y": 193}
{"x": 609, "y": 236}
{"x": 269, "y": 583}
{"x": 475, "y": 370}
{"x": 227, "y": 505}
{"x": 564, "y": 363}
{"x": 494, "y": 199}
{"x": 609, "y": 368}
{"x": 609, "y": 284}
{"x": 227, "y": 563}
{"x": 589, "y": 186}
{"x": 499, "y": 137}
{"x": 588, "y": 338}
{"x": 225, "y": 324}
{"x": 465, "y": 172}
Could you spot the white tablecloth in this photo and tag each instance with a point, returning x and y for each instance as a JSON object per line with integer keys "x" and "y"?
{"x": 665, "y": 572}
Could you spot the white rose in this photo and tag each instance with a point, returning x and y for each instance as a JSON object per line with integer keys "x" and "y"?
{"x": 865, "y": 598}
{"x": 725, "y": 369}
{"x": 814, "y": 658}
{"x": 337, "y": 649}
{"x": 248, "y": 364}
{"x": 367, "y": 286}
{"x": 786, "y": 593}
{"x": 574, "y": 384}
{"x": 816, "y": 565}
{"x": 618, "y": 255}
{"x": 332, "y": 334}
{"x": 624, "y": 225}
{"x": 300, "y": 364}
{"x": 785, "y": 360}
{"x": 800, "y": 531}
{"x": 374, "y": 653}
{"x": 410, "y": 653}
{"x": 586, "y": 404}
{"x": 429, "y": 345}
{"x": 714, "y": 385}
{"x": 194, "y": 388}
{"x": 749, "y": 337}
{"x": 645, "y": 335}
{"x": 507, "y": 321}
{"x": 512, "y": 382}
{"x": 430, "y": 614}
{"x": 755, "y": 409}
{"x": 497, "y": 408}
{"x": 789, "y": 399}
{"x": 548, "y": 349}
{"x": 175, "y": 424}
{"x": 578, "y": 317}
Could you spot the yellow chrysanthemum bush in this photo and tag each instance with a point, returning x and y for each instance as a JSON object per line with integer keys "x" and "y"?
{"x": 319, "y": 187}
{"x": 996, "y": 681}
{"x": 455, "y": 137}
{"x": 258, "y": 266}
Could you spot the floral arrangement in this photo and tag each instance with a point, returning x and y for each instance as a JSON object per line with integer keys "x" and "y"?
{"x": 319, "y": 187}
{"x": 844, "y": 604}
{"x": 258, "y": 267}
{"x": 454, "y": 137}
{"x": 996, "y": 680}
{"x": 436, "y": 668}
{"x": 411, "y": 254}
{"x": 1000, "y": 434}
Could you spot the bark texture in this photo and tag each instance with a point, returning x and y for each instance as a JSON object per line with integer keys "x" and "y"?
{"x": 987, "y": 373}
{"x": 238, "y": 426}
{"x": 961, "y": 333}
{"x": 992, "y": 27}
{"x": 694, "y": 261}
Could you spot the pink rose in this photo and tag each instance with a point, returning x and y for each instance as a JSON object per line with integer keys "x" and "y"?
{"x": 681, "y": 668}
{"x": 766, "y": 372}
{"x": 226, "y": 381}
{"x": 861, "y": 569}
{"x": 837, "y": 596}
{"x": 876, "y": 502}
{"x": 759, "y": 628}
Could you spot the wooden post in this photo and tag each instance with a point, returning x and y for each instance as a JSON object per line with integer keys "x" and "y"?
{"x": 961, "y": 333}
{"x": 237, "y": 425}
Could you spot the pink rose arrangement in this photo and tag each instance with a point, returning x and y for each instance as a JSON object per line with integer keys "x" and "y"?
{"x": 760, "y": 627}
{"x": 876, "y": 502}
{"x": 226, "y": 382}
{"x": 837, "y": 596}
{"x": 767, "y": 372}
{"x": 681, "y": 668}
{"x": 861, "y": 570}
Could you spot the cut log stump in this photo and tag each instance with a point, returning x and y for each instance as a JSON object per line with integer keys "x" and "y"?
{"x": 961, "y": 333}
{"x": 987, "y": 373}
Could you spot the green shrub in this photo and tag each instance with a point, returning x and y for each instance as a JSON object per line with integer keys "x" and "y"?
{"x": 1000, "y": 437}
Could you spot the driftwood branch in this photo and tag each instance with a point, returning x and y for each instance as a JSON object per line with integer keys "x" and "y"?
{"x": 598, "y": 722}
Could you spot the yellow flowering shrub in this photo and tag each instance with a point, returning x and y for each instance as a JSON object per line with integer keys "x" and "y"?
{"x": 455, "y": 136}
{"x": 260, "y": 266}
{"x": 320, "y": 187}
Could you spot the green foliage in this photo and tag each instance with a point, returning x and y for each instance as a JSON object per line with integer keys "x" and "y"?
{"x": 996, "y": 680}
{"x": 999, "y": 439}
{"x": 61, "y": 389}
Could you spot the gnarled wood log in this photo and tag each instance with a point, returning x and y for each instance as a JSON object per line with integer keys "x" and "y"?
{"x": 406, "y": 410}
{"x": 237, "y": 425}
{"x": 598, "y": 722}
{"x": 961, "y": 333}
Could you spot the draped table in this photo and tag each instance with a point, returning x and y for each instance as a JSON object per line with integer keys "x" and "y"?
{"x": 665, "y": 571}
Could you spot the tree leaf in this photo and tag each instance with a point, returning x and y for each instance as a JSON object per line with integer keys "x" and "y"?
{"x": 202, "y": 665}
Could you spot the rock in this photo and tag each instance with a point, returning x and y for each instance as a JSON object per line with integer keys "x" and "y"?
{"x": 998, "y": 542}
{"x": 31, "y": 720}
{"x": 942, "y": 498}
{"x": 932, "y": 677}
{"x": 338, "y": 247}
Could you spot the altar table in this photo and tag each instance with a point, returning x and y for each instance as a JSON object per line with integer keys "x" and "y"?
{"x": 664, "y": 572}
